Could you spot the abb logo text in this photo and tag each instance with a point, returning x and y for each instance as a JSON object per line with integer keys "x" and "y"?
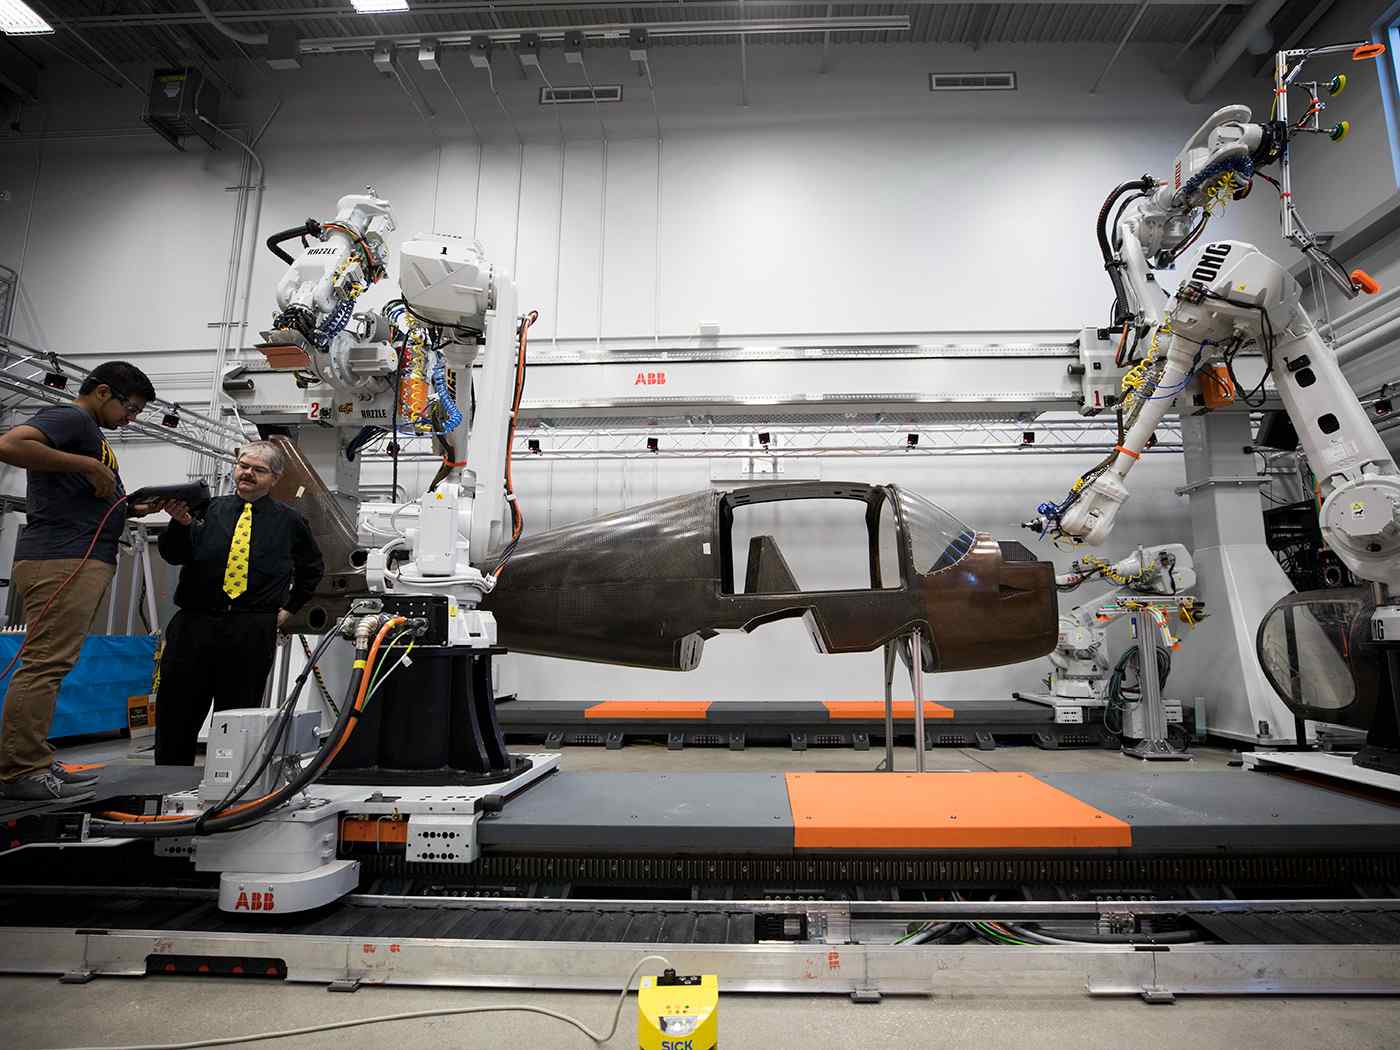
{"x": 255, "y": 902}
{"x": 650, "y": 379}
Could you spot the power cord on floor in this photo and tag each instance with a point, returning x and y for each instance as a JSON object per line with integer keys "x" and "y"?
{"x": 331, "y": 1026}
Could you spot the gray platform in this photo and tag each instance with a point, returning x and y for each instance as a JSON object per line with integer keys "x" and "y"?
{"x": 1211, "y": 813}
{"x": 1235, "y": 811}
{"x": 647, "y": 813}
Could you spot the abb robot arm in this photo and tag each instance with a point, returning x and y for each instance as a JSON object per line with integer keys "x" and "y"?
{"x": 1236, "y": 298}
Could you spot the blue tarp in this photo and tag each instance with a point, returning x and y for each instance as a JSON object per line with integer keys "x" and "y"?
{"x": 93, "y": 697}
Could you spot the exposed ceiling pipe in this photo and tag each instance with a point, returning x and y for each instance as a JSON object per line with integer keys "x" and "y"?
{"x": 229, "y": 31}
{"x": 1257, "y": 18}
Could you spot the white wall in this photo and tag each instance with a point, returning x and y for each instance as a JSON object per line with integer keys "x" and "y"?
{"x": 852, "y": 203}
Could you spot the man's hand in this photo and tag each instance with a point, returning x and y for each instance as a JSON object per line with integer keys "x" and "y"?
{"x": 283, "y": 618}
{"x": 178, "y": 510}
{"x": 175, "y": 508}
{"x": 101, "y": 478}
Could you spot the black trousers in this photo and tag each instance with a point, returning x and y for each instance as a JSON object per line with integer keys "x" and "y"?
{"x": 223, "y": 657}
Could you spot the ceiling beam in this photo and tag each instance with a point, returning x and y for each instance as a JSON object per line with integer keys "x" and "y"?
{"x": 1320, "y": 8}
{"x": 1127, "y": 35}
{"x": 492, "y": 7}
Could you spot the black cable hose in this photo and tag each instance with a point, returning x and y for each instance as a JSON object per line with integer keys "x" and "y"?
{"x": 348, "y": 715}
{"x": 310, "y": 228}
{"x": 284, "y": 719}
{"x": 1165, "y": 937}
{"x": 1116, "y": 699}
{"x": 1118, "y": 217}
{"x": 1142, "y": 185}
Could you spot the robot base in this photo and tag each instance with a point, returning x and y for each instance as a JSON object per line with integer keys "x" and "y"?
{"x": 376, "y": 776}
{"x": 268, "y": 894}
{"x": 433, "y": 723}
{"x": 441, "y": 829}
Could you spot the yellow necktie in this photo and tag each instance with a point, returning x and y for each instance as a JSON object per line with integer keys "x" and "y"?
{"x": 236, "y": 571}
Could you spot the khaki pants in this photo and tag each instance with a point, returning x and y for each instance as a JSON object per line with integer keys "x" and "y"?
{"x": 50, "y": 652}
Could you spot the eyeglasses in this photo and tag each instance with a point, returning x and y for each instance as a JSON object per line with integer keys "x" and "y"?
{"x": 253, "y": 468}
{"x": 132, "y": 410}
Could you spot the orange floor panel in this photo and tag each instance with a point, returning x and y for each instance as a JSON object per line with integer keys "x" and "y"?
{"x": 623, "y": 709}
{"x": 944, "y": 811}
{"x": 874, "y": 710}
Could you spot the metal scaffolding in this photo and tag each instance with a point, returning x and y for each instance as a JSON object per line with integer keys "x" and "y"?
{"x": 28, "y": 374}
{"x": 1075, "y": 436}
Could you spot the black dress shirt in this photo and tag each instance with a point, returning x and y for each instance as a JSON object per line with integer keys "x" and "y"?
{"x": 284, "y": 566}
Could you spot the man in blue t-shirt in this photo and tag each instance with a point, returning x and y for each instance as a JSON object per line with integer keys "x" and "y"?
{"x": 65, "y": 558}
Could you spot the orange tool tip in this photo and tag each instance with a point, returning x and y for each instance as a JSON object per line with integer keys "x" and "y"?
{"x": 1365, "y": 282}
{"x": 1366, "y": 51}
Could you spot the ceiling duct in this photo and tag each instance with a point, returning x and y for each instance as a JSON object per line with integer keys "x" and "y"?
{"x": 972, "y": 81}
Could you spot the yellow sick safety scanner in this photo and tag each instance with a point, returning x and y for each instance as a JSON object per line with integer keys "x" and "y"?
{"x": 678, "y": 1013}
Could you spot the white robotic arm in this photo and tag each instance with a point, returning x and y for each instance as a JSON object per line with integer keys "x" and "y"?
{"x": 406, "y": 369}
{"x": 1233, "y": 298}
{"x": 1080, "y": 659}
{"x": 316, "y": 327}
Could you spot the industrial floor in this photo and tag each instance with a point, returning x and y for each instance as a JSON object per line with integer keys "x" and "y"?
{"x": 40, "y": 1012}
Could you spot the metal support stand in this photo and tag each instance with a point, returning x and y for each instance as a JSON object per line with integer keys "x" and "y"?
{"x": 1238, "y": 578}
{"x": 140, "y": 573}
{"x": 889, "y": 706}
{"x": 916, "y": 679}
{"x": 1154, "y": 745}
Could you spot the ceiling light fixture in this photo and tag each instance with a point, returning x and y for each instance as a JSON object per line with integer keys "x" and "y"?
{"x": 374, "y": 7}
{"x": 19, "y": 19}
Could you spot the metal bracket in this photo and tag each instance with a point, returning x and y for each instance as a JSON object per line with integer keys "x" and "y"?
{"x": 447, "y": 838}
{"x": 866, "y": 995}
{"x": 1154, "y": 995}
{"x": 77, "y": 977}
{"x": 344, "y": 984}
{"x": 1221, "y": 479}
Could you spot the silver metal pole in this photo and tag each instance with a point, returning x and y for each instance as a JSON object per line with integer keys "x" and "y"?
{"x": 284, "y": 669}
{"x": 112, "y": 589}
{"x": 916, "y": 679}
{"x": 138, "y": 539}
{"x": 1284, "y": 173}
{"x": 268, "y": 682}
{"x": 890, "y": 656}
{"x": 151, "y": 610}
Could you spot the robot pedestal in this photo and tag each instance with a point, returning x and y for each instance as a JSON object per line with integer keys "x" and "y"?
{"x": 433, "y": 722}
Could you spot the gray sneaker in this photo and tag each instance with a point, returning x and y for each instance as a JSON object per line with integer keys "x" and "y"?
{"x": 74, "y": 775}
{"x": 41, "y": 787}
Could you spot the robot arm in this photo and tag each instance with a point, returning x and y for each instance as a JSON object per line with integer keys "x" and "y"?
{"x": 1080, "y": 659}
{"x": 316, "y": 327}
{"x": 1234, "y": 297}
{"x": 406, "y": 369}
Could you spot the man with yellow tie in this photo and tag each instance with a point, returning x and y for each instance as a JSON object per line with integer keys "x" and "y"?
{"x": 246, "y": 567}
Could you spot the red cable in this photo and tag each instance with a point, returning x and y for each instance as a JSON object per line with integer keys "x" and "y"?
{"x": 44, "y": 611}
